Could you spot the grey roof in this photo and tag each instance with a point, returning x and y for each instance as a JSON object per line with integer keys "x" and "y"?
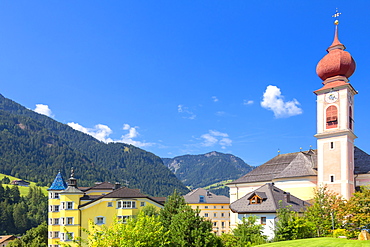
{"x": 125, "y": 192}
{"x": 299, "y": 164}
{"x": 193, "y": 197}
{"x": 71, "y": 190}
{"x": 362, "y": 162}
{"x": 275, "y": 198}
{"x": 283, "y": 166}
{"x": 99, "y": 186}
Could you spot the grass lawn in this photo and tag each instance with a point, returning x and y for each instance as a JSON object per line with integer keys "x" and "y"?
{"x": 320, "y": 242}
{"x": 22, "y": 189}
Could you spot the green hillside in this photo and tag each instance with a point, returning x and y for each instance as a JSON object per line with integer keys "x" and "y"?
{"x": 35, "y": 147}
{"x": 198, "y": 171}
{"x": 23, "y": 189}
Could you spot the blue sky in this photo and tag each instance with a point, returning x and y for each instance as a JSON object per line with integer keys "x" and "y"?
{"x": 182, "y": 77}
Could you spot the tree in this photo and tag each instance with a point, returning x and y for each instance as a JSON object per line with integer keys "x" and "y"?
{"x": 356, "y": 212}
{"x": 249, "y": 233}
{"x": 19, "y": 216}
{"x": 291, "y": 226}
{"x": 150, "y": 210}
{"x": 5, "y": 180}
{"x": 324, "y": 212}
{"x": 188, "y": 228}
{"x": 15, "y": 194}
{"x": 2, "y": 192}
{"x": 171, "y": 208}
{"x": 143, "y": 230}
{"x": 35, "y": 237}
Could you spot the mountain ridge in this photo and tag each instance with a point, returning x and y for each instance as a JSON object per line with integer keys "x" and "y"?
{"x": 35, "y": 147}
{"x": 202, "y": 170}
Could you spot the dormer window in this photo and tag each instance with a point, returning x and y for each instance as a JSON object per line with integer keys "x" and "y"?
{"x": 255, "y": 200}
{"x": 201, "y": 199}
{"x": 331, "y": 117}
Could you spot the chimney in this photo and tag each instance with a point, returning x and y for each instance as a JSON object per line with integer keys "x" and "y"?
{"x": 117, "y": 185}
{"x": 287, "y": 196}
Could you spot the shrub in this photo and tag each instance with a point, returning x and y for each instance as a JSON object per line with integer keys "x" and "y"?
{"x": 340, "y": 232}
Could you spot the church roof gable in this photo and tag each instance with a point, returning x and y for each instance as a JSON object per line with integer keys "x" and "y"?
{"x": 282, "y": 166}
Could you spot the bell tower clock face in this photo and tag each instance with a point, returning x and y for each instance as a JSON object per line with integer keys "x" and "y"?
{"x": 331, "y": 97}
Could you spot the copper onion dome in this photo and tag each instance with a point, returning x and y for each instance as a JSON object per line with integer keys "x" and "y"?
{"x": 337, "y": 62}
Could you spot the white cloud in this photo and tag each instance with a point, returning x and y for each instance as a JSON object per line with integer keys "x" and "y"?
{"x": 214, "y": 137}
{"x": 274, "y": 101}
{"x": 102, "y": 133}
{"x": 215, "y": 99}
{"x": 248, "y": 102}
{"x": 185, "y": 110}
{"x": 44, "y": 110}
{"x": 133, "y": 133}
{"x": 220, "y": 113}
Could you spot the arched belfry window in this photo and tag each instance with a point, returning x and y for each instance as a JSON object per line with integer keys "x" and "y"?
{"x": 331, "y": 117}
{"x": 350, "y": 120}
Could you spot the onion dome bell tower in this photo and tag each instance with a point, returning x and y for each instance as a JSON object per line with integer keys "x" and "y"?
{"x": 335, "y": 124}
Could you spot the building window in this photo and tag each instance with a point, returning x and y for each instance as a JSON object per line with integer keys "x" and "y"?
{"x": 205, "y": 207}
{"x": 126, "y": 204}
{"x": 69, "y": 220}
{"x": 99, "y": 220}
{"x": 214, "y": 214}
{"x": 263, "y": 220}
{"x": 223, "y": 224}
{"x": 56, "y": 234}
{"x": 123, "y": 219}
{"x": 332, "y": 178}
{"x": 331, "y": 117}
{"x": 56, "y": 195}
{"x": 142, "y": 204}
{"x": 222, "y": 206}
{"x": 56, "y": 208}
{"x": 63, "y": 221}
{"x": 214, "y": 223}
{"x": 222, "y": 215}
{"x": 206, "y": 215}
{"x": 69, "y": 205}
{"x": 56, "y": 221}
{"x": 255, "y": 200}
{"x": 50, "y": 221}
{"x": 201, "y": 199}
{"x": 350, "y": 120}
{"x": 331, "y": 145}
{"x": 62, "y": 205}
{"x": 69, "y": 236}
{"x": 110, "y": 204}
{"x": 214, "y": 206}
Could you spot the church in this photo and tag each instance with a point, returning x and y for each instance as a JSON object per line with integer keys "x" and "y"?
{"x": 337, "y": 163}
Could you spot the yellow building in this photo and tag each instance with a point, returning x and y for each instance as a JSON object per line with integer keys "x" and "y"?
{"x": 212, "y": 207}
{"x": 71, "y": 207}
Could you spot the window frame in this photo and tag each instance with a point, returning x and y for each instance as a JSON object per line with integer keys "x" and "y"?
{"x": 69, "y": 221}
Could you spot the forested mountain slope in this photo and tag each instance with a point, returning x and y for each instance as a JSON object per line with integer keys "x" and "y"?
{"x": 35, "y": 147}
{"x": 206, "y": 169}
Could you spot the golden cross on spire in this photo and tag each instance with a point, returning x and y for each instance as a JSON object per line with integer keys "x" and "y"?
{"x": 336, "y": 15}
